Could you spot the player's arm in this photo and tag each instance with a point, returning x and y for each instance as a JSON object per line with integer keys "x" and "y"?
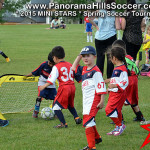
{"x": 107, "y": 81}
{"x": 145, "y": 41}
{"x": 29, "y": 75}
{"x": 123, "y": 82}
{"x": 85, "y": 24}
{"x": 93, "y": 23}
{"x": 101, "y": 104}
{"x": 44, "y": 86}
{"x": 76, "y": 62}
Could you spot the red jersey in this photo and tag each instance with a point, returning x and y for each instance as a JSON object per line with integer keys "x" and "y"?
{"x": 63, "y": 73}
{"x": 86, "y": 19}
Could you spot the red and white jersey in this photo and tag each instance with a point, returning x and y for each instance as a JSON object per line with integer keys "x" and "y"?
{"x": 63, "y": 73}
{"x": 119, "y": 77}
{"x": 92, "y": 85}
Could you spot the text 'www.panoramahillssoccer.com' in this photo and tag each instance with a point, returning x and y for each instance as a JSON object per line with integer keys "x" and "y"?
{"x": 90, "y": 10}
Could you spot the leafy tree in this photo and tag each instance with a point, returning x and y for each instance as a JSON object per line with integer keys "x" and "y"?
{"x": 11, "y": 6}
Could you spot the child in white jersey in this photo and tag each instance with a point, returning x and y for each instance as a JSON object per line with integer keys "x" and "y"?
{"x": 93, "y": 89}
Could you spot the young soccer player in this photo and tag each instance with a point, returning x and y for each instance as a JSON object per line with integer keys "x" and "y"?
{"x": 93, "y": 89}
{"x": 3, "y": 121}
{"x": 48, "y": 93}
{"x": 5, "y": 56}
{"x": 132, "y": 89}
{"x": 64, "y": 99}
{"x": 88, "y": 28}
{"x": 116, "y": 88}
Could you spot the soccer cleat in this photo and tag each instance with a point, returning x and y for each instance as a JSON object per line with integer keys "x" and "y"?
{"x": 119, "y": 130}
{"x": 137, "y": 119}
{"x": 4, "y": 123}
{"x": 61, "y": 125}
{"x": 7, "y": 59}
{"x": 78, "y": 120}
{"x": 35, "y": 114}
{"x": 97, "y": 141}
{"x": 87, "y": 148}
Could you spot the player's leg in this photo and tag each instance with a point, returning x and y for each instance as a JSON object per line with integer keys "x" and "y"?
{"x": 71, "y": 107}
{"x": 90, "y": 132}
{"x": 88, "y": 37}
{"x": 61, "y": 96}
{"x": 147, "y": 57}
{"x": 5, "y": 56}
{"x": 90, "y": 31}
{"x": 113, "y": 110}
{"x": 3, "y": 121}
{"x": 37, "y": 107}
{"x": 138, "y": 113}
{"x": 91, "y": 37}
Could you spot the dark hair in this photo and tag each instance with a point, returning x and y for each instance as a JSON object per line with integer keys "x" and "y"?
{"x": 120, "y": 53}
{"x": 59, "y": 52}
{"x": 120, "y": 43}
{"x": 50, "y": 58}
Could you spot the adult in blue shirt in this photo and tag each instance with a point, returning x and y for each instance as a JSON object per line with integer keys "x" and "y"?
{"x": 106, "y": 34}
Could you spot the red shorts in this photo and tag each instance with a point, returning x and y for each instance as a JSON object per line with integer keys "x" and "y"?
{"x": 132, "y": 90}
{"x": 88, "y": 118}
{"x": 115, "y": 102}
{"x": 65, "y": 96}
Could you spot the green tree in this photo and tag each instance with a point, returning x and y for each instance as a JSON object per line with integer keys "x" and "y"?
{"x": 11, "y": 6}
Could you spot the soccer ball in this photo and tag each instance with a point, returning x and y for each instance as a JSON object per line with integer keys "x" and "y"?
{"x": 47, "y": 113}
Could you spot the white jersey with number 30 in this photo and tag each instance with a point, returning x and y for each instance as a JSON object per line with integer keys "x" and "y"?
{"x": 63, "y": 72}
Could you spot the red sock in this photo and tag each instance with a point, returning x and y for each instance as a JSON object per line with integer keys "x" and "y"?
{"x": 97, "y": 136}
{"x": 116, "y": 121}
{"x": 120, "y": 116}
{"x": 90, "y": 135}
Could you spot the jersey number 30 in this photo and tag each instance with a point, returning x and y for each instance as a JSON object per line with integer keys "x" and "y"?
{"x": 67, "y": 74}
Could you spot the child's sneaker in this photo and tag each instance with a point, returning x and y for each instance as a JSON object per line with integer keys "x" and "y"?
{"x": 97, "y": 141}
{"x": 112, "y": 132}
{"x": 78, "y": 120}
{"x": 87, "y": 148}
{"x": 4, "y": 123}
{"x": 7, "y": 59}
{"x": 119, "y": 130}
{"x": 61, "y": 125}
{"x": 35, "y": 114}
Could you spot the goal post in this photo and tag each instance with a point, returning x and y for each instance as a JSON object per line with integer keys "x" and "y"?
{"x": 18, "y": 93}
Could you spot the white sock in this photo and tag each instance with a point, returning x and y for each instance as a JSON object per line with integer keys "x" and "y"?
{"x": 91, "y": 38}
{"x": 88, "y": 38}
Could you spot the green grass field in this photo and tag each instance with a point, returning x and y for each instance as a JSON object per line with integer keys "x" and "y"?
{"x": 28, "y": 46}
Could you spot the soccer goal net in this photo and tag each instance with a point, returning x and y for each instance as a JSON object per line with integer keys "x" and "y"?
{"x": 18, "y": 94}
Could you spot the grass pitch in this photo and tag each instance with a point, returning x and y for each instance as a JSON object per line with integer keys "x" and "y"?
{"x": 28, "y": 46}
